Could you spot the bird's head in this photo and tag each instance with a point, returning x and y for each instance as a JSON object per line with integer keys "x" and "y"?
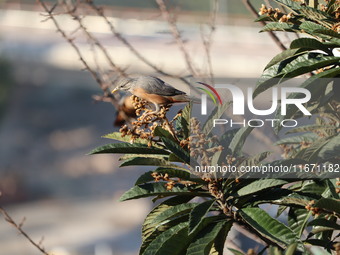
{"x": 124, "y": 84}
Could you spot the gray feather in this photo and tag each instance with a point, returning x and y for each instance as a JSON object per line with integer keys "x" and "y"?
{"x": 154, "y": 85}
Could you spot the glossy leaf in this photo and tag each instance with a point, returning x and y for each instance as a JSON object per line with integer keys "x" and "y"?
{"x": 268, "y": 227}
{"x": 171, "y": 242}
{"x": 297, "y": 219}
{"x": 239, "y": 139}
{"x": 216, "y": 114}
{"x": 136, "y": 148}
{"x": 202, "y": 244}
{"x": 198, "y": 213}
{"x": 260, "y": 185}
{"x": 156, "y": 189}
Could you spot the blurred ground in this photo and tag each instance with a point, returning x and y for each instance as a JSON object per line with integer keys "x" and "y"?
{"x": 51, "y": 122}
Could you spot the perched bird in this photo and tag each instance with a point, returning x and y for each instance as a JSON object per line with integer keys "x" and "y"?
{"x": 126, "y": 111}
{"x": 153, "y": 90}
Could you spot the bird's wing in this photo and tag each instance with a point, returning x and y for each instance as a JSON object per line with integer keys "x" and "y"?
{"x": 154, "y": 85}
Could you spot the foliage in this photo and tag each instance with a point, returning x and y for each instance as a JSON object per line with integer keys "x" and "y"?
{"x": 196, "y": 213}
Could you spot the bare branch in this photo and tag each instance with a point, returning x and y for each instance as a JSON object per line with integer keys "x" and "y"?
{"x": 172, "y": 23}
{"x": 207, "y": 41}
{"x": 276, "y": 39}
{"x": 100, "y": 12}
{"x": 10, "y": 220}
{"x": 70, "y": 40}
{"x": 76, "y": 17}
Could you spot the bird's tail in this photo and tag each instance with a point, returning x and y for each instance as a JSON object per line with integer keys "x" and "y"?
{"x": 185, "y": 98}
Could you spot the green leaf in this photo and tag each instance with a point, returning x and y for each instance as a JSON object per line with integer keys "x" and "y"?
{"x": 216, "y": 114}
{"x": 235, "y": 252}
{"x": 198, "y": 213}
{"x": 158, "y": 188}
{"x": 175, "y": 148}
{"x": 255, "y": 160}
{"x": 309, "y": 43}
{"x": 260, "y": 185}
{"x": 291, "y": 249}
{"x": 239, "y": 139}
{"x": 171, "y": 242}
{"x": 174, "y": 211}
{"x": 324, "y": 223}
{"x": 318, "y": 30}
{"x": 161, "y": 132}
{"x": 329, "y": 204}
{"x": 277, "y": 26}
{"x": 309, "y": 128}
{"x": 300, "y": 65}
{"x": 146, "y": 161}
{"x": 203, "y": 242}
{"x": 294, "y": 199}
{"x": 285, "y": 55}
{"x": 295, "y": 6}
{"x": 331, "y": 149}
{"x": 149, "y": 225}
{"x": 218, "y": 246}
{"x": 135, "y": 148}
{"x": 185, "y": 120}
{"x": 268, "y": 227}
{"x": 118, "y": 137}
{"x": 297, "y": 219}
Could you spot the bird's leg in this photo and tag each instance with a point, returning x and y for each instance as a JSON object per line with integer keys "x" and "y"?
{"x": 157, "y": 109}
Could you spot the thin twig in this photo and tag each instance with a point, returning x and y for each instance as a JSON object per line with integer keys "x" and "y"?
{"x": 77, "y": 18}
{"x": 70, "y": 40}
{"x": 271, "y": 33}
{"x": 10, "y": 220}
{"x": 176, "y": 34}
{"x": 100, "y": 12}
{"x": 207, "y": 41}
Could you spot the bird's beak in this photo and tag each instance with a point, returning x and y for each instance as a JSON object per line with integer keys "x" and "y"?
{"x": 114, "y": 90}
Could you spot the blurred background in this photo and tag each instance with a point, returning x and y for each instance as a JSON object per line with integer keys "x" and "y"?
{"x": 49, "y": 121}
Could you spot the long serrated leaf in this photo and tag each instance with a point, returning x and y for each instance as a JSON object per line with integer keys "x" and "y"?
{"x": 216, "y": 114}
{"x": 324, "y": 223}
{"x": 219, "y": 242}
{"x": 128, "y": 148}
{"x": 146, "y": 161}
{"x": 156, "y": 189}
{"x": 285, "y": 55}
{"x": 297, "y": 219}
{"x": 118, "y": 137}
{"x": 329, "y": 204}
{"x": 277, "y": 26}
{"x": 310, "y": 43}
{"x": 171, "y": 242}
{"x": 291, "y": 249}
{"x": 239, "y": 139}
{"x": 331, "y": 149}
{"x": 174, "y": 211}
{"x": 300, "y": 65}
{"x": 268, "y": 227}
{"x": 260, "y": 185}
{"x": 198, "y": 213}
{"x": 175, "y": 148}
{"x": 149, "y": 224}
{"x": 202, "y": 244}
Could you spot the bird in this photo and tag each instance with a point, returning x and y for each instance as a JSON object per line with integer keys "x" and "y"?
{"x": 152, "y": 90}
